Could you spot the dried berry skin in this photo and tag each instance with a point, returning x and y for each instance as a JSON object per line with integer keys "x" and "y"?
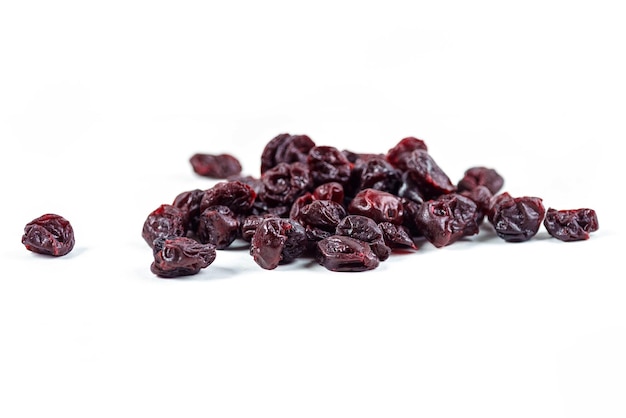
{"x": 447, "y": 219}
{"x": 482, "y": 196}
{"x": 238, "y": 196}
{"x": 377, "y": 205}
{"x": 398, "y": 155}
{"x": 163, "y": 222}
{"x": 320, "y": 218}
{"x": 397, "y": 236}
{"x": 516, "y": 219}
{"x": 571, "y": 224}
{"x": 366, "y": 230}
{"x": 341, "y": 253}
{"x": 328, "y": 164}
{"x": 189, "y": 202}
{"x": 249, "y": 224}
{"x": 375, "y": 173}
{"x": 481, "y": 176}
{"x": 429, "y": 178}
{"x": 330, "y": 191}
{"x": 283, "y": 183}
{"x": 181, "y": 256}
{"x": 49, "y": 234}
{"x": 277, "y": 241}
{"x": 217, "y": 166}
{"x": 218, "y": 226}
{"x": 285, "y": 148}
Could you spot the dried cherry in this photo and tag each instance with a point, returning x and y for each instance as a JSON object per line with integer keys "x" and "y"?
{"x": 180, "y": 256}
{"x": 277, "y": 241}
{"x": 341, "y": 253}
{"x": 218, "y": 166}
{"x": 49, "y": 234}
{"x": 571, "y": 224}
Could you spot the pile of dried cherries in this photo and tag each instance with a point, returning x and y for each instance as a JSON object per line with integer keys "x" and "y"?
{"x": 349, "y": 211}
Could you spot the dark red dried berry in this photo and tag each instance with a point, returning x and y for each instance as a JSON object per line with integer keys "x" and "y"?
{"x": 397, "y": 236}
{"x": 447, "y": 219}
{"x": 249, "y": 224}
{"x": 481, "y": 176}
{"x": 429, "y": 178}
{"x": 218, "y": 226}
{"x": 189, "y": 202}
{"x": 285, "y": 148}
{"x": 164, "y": 222}
{"x": 181, "y": 256}
{"x": 329, "y": 191}
{"x": 377, "y": 205}
{"x": 283, "y": 183}
{"x": 571, "y": 224}
{"x": 516, "y": 219}
{"x": 398, "y": 155}
{"x": 277, "y": 241}
{"x": 375, "y": 173}
{"x": 341, "y": 253}
{"x": 218, "y": 166}
{"x": 366, "y": 230}
{"x": 49, "y": 234}
{"x": 238, "y": 196}
{"x": 328, "y": 164}
{"x": 320, "y": 218}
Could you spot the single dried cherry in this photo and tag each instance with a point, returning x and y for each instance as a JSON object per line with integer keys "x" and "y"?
{"x": 163, "y": 222}
{"x": 448, "y": 218}
{"x": 218, "y": 226}
{"x": 218, "y": 166}
{"x": 341, "y": 253}
{"x": 377, "y": 205}
{"x": 277, "y": 241}
{"x": 49, "y": 234}
{"x": 285, "y": 148}
{"x": 328, "y": 164}
{"x": 180, "y": 256}
{"x": 516, "y": 219}
{"x": 571, "y": 224}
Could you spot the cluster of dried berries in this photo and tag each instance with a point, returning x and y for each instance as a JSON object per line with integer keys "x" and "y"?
{"x": 347, "y": 210}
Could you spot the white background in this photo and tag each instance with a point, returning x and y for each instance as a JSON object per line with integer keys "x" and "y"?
{"x": 102, "y": 104}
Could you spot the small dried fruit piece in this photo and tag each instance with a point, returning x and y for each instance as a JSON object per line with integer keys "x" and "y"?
{"x": 164, "y": 221}
{"x": 429, "y": 178}
{"x": 218, "y": 166}
{"x": 49, "y": 234}
{"x": 341, "y": 253}
{"x": 319, "y": 218}
{"x": 217, "y": 225}
{"x": 277, "y": 241}
{"x": 516, "y": 219}
{"x": 180, "y": 256}
{"x": 377, "y": 205}
{"x": 398, "y": 155}
{"x": 445, "y": 220}
{"x": 328, "y": 164}
{"x": 285, "y": 148}
{"x": 366, "y": 230}
{"x": 481, "y": 176}
{"x": 571, "y": 224}
{"x": 238, "y": 196}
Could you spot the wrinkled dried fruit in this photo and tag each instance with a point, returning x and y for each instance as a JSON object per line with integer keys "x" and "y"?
{"x": 217, "y": 166}
{"x": 49, "y": 234}
{"x": 164, "y": 222}
{"x": 277, "y": 241}
{"x": 377, "y": 205}
{"x": 341, "y": 253}
{"x": 516, "y": 219}
{"x": 571, "y": 224}
{"x": 180, "y": 256}
{"x": 447, "y": 219}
